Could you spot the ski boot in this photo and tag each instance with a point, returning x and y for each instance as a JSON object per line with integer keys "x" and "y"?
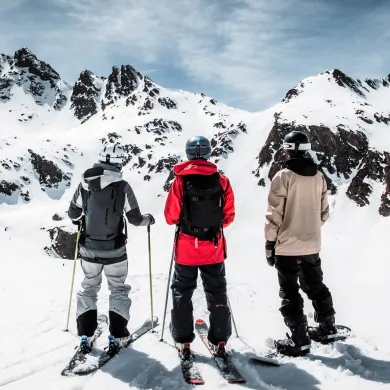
{"x": 298, "y": 344}
{"x": 86, "y": 344}
{"x": 184, "y": 350}
{"x": 325, "y": 332}
{"x": 116, "y": 344}
{"x": 219, "y": 350}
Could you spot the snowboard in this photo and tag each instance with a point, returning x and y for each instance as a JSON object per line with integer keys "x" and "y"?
{"x": 89, "y": 364}
{"x": 275, "y": 358}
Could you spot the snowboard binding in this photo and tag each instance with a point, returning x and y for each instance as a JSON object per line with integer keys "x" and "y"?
{"x": 289, "y": 348}
{"x": 340, "y": 333}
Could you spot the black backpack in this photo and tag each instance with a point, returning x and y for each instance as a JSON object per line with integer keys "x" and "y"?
{"x": 202, "y": 212}
{"x": 103, "y": 211}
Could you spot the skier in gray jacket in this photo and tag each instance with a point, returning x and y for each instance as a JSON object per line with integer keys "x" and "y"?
{"x": 99, "y": 204}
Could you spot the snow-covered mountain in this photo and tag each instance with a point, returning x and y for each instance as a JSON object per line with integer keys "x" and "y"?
{"x": 126, "y": 107}
{"x": 51, "y": 131}
{"x": 348, "y": 121}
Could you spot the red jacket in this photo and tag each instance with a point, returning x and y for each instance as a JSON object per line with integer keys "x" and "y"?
{"x": 189, "y": 250}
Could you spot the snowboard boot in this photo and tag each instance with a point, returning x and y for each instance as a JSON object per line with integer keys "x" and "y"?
{"x": 86, "y": 344}
{"x": 296, "y": 345}
{"x": 325, "y": 332}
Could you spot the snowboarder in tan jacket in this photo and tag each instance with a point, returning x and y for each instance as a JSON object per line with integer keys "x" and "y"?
{"x": 297, "y": 209}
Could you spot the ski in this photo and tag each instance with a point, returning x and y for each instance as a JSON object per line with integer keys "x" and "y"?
{"x": 80, "y": 357}
{"x": 225, "y": 364}
{"x": 92, "y": 363}
{"x": 191, "y": 373}
{"x": 274, "y": 358}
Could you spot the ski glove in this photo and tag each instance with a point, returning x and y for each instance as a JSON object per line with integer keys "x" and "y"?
{"x": 150, "y": 218}
{"x": 270, "y": 252}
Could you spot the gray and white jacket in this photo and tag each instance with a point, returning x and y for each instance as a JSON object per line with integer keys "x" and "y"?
{"x": 104, "y": 249}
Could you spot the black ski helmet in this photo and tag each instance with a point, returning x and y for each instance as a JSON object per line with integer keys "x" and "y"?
{"x": 296, "y": 142}
{"x": 198, "y": 147}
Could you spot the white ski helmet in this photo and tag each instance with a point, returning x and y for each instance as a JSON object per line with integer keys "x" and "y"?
{"x": 113, "y": 154}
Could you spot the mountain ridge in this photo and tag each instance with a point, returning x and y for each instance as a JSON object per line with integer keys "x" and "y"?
{"x": 345, "y": 118}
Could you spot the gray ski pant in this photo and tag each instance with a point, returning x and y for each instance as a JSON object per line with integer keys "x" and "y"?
{"x": 119, "y": 301}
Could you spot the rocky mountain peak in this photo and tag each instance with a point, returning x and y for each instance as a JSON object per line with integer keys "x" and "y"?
{"x": 86, "y": 95}
{"x": 36, "y": 77}
{"x": 24, "y": 58}
{"x": 121, "y": 83}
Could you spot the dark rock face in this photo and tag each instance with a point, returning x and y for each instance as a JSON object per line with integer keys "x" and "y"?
{"x": 25, "y": 195}
{"x": 382, "y": 119}
{"x": 8, "y": 188}
{"x": 131, "y": 100}
{"x": 36, "y": 77}
{"x": 49, "y": 174}
{"x": 165, "y": 163}
{"x": 86, "y": 95}
{"x": 222, "y": 142}
{"x": 147, "y": 107}
{"x": 120, "y": 83}
{"x": 57, "y": 217}
{"x": 345, "y": 81}
{"x": 168, "y": 103}
{"x": 111, "y": 138}
{"x": 39, "y": 79}
{"x": 150, "y": 88}
{"x": 374, "y": 84}
{"x": 5, "y": 89}
{"x": 63, "y": 243}
{"x": 344, "y": 154}
{"x": 133, "y": 150}
{"x": 290, "y": 95}
{"x": 159, "y": 127}
{"x": 24, "y": 58}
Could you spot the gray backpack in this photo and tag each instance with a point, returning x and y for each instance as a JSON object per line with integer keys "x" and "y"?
{"x": 103, "y": 211}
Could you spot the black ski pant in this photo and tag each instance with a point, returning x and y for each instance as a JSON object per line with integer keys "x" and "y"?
{"x": 306, "y": 269}
{"x": 214, "y": 284}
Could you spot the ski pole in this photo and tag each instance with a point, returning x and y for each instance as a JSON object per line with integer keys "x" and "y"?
{"x": 150, "y": 278}
{"x": 168, "y": 283}
{"x": 76, "y": 252}
{"x": 234, "y": 322}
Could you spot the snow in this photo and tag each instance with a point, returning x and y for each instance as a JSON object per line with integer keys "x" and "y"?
{"x": 34, "y": 288}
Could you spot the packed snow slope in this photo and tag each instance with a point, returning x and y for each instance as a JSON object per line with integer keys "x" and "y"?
{"x": 50, "y": 132}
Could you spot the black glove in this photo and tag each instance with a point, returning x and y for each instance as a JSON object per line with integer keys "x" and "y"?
{"x": 270, "y": 252}
{"x": 150, "y": 219}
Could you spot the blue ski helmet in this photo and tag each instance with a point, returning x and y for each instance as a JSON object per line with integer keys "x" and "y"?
{"x": 198, "y": 147}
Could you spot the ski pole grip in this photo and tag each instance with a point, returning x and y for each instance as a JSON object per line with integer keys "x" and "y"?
{"x": 148, "y": 228}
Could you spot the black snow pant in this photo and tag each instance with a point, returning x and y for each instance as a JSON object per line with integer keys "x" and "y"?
{"x": 309, "y": 272}
{"x": 214, "y": 284}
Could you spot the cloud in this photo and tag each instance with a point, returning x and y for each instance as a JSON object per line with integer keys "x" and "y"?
{"x": 243, "y": 52}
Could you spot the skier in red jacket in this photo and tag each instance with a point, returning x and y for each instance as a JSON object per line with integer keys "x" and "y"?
{"x": 201, "y": 203}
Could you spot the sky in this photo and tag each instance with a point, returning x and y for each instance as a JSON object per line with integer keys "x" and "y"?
{"x": 245, "y": 53}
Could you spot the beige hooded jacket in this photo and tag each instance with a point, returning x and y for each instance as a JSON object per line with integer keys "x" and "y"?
{"x": 297, "y": 208}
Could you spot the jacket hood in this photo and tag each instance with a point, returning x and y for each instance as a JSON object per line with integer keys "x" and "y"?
{"x": 302, "y": 166}
{"x": 195, "y": 167}
{"x": 100, "y": 176}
